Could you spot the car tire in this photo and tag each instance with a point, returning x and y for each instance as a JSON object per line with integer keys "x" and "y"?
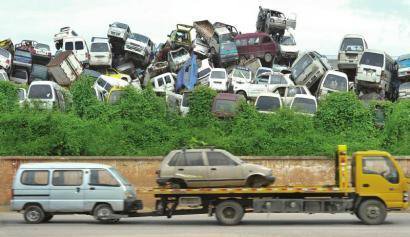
{"x": 177, "y": 184}
{"x": 372, "y": 212}
{"x": 34, "y": 214}
{"x": 268, "y": 57}
{"x": 103, "y": 213}
{"x": 257, "y": 182}
{"x": 229, "y": 212}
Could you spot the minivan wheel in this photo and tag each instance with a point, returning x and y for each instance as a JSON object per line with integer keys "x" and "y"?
{"x": 34, "y": 214}
{"x": 268, "y": 57}
{"x": 103, "y": 213}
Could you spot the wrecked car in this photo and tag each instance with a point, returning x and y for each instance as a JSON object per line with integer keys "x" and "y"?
{"x": 5, "y": 60}
{"x": 38, "y": 73}
{"x": 404, "y": 91}
{"x": 227, "y": 170}
{"x": 350, "y": 51}
{"x": 22, "y": 58}
{"x": 231, "y": 28}
{"x": 204, "y": 70}
{"x": 64, "y": 32}
{"x": 288, "y": 49}
{"x": 273, "y": 22}
{"x": 19, "y": 76}
{"x": 200, "y": 48}
{"x": 333, "y": 81}
{"x": 177, "y": 102}
{"x": 404, "y": 67}
{"x": 226, "y": 105}
{"x": 65, "y": 68}
{"x": 8, "y": 45}
{"x": 100, "y": 52}
{"x": 218, "y": 80}
{"x": 304, "y": 104}
{"x": 163, "y": 83}
{"x": 46, "y": 95}
{"x": 376, "y": 72}
{"x": 308, "y": 69}
{"x": 177, "y": 58}
{"x": 267, "y": 82}
{"x": 256, "y": 45}
{"x": 288, "y": 93}
{"x": 181, "y": 37}
{"x": 154, "y": 70}
{"x": 140, "y": 48}
{"x": 268, "y": 103}
{"x": 42, "y": 52}
{"x": 104, "y": 84}
{"x": 239, "y": 75}
{"x": 118, "y": 31}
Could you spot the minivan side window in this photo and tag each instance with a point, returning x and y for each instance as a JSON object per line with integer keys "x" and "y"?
{"x": 67, "y": 178}
{"x": 79, "y": 45}
{"x": 219, "y": 159}
{"x": 69, "y": 46}
{"x": 102, "y": 178}
{"x": 34, "y": 177}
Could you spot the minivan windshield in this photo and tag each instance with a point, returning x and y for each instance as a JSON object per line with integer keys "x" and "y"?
{"x": 335, "y": 82}
{"x": 39, "y": 72}
{"x": 225, "y": 38}
{"x": 40, "y": 92}
{"x": 352, "y": 44}
{"x": 304, "y": 105}
{"x": 122, "y": 179}
{"x": 99, "y": 47}
{"x": 268, "y": 103}
{"x": 300, "y": 66}
{"x": 139, "y": 37}
{"x": 372, "y": 59}
{"x": 287, "y": 40}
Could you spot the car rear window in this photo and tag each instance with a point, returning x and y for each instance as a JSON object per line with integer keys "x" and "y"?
{"x": 304, "y": 105}
{"x": 225, "y": 106}
{"x": 268, "y": 103}
{"x": 218, "y": 75}
{"x": 67, "y": 178}
{"x": 34, "y": 177}
{"x": 372, "y": 59}
{"x": 99, "y": 47}
{"x": 40, "y": 92}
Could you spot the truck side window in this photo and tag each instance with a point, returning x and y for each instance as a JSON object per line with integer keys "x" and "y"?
{"x": 219, "y": 159}
{"x": 102, "y": 178}
{"x": 67, "y": 177}
{"x": 34, "y": 177}
{"x": 381, "y": 166}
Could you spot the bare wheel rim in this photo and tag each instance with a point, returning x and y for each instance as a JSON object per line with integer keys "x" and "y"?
{"x": 372, "y": 212}
{"x": 228, "y": 212}
{"x": 33, "y": 215}
{"x": 103, "y": 212}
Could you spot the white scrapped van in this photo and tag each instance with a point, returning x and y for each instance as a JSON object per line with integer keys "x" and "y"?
{"x": 42, "y": 190}
{"x": 163, "y": 83}
{"x": 46, "y": 95}
{"x": 350, "y": 51}
{"x": 79, "y": 48}
{"x": 333, "y": 81}
{"x": 218, "y": 79}
{"x": 100, "y": 52}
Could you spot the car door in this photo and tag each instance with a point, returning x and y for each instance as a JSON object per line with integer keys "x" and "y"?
{"x": 223, "y": 170}
{"x": 378, "y": 176}
{"x": 102, "y": 186}
{"x": 67, "y": 190}
{"x": 190, "y": 167}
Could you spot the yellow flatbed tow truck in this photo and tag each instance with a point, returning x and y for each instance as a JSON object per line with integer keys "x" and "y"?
{"x": 369, "y": 185}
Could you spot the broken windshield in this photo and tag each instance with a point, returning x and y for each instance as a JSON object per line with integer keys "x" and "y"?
{"x": 335, "y": 82}
{"x": 268, "y": 103}
{"x": 300, "y": 66}
{"x": 40, "y": 92}
{"x": 404, "y": 63}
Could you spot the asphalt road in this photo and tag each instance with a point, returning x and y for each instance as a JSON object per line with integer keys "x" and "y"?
{"x": 278, "y": 225}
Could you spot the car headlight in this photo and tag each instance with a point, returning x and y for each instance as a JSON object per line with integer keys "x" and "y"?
{"x": 129, "y": 195}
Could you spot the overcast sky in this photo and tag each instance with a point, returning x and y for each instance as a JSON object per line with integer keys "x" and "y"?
{"x": 321, "y": 24}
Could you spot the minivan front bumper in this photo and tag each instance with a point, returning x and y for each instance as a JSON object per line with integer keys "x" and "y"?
{"x": 132, "y": 205}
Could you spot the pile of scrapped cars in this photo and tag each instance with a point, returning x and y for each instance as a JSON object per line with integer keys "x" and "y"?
{"x": 263, "y": 67}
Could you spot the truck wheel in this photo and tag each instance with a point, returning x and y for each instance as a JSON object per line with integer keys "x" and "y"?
{"x": 268, "y": 57}
{"x": 372, "y": 212}
{"x": 48, "y": 217}
{"x": 34, "y": 214}
{"x": 229, "y": 213}
{"x": 103, "y": 213}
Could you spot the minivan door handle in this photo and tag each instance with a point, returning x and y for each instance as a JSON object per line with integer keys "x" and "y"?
{"x": 92, "y": 188}
{"x": 366, "y": 185}
{"x": 180, "y": 169}
{"x": 78, "y": 189}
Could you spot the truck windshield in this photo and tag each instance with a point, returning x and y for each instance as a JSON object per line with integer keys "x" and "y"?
{"x": 287, "y": 40}
{"x": 404, "y": 63}
{"x": 372, "y": 59}
{"x": 139, "y": 37}
{"x": 335, "y": 82}
{"x": 40, "y": 92}
{"x": 4, "y": 53}
{"x": 304, "y": 105}
{"x": 99, "y": 47}
{"x": 352, "y": 44}
{"x": 300, "y": 66}
{"x": 120, "y": 25}
{"x": 268, "y": 103}
{"x": 225, "y": 38}
{"x": 405, "y": 86}
{"x": 122, "y": 179}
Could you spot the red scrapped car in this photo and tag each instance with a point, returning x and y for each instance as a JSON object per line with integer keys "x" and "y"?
{"x": 258, "y": 45}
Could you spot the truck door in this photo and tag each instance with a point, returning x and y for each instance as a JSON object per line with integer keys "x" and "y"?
{"x": 67, "y": 191}
{"x": 378, "y": 176}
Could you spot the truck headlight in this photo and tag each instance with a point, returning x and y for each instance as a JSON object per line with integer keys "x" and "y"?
{"x": 405, "y": 197}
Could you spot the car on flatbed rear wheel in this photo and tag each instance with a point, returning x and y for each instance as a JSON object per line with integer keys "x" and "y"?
{"x": 199, "y": 168}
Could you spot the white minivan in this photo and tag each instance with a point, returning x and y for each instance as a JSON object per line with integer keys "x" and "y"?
{"x": 333, "y": 81}
{"x": 100, "y": 52}
{"x": 79, "y": 48}
{"x": 218, "y": 79}
{"x": 350, "y": 51}
{"x": 46, "y": 95}
{"x": 42, "y": 190}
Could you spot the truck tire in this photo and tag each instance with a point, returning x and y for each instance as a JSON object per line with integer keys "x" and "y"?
{"x": 104, "y": 213}
{"x": 229, "y": 212}
{"x": 34, "y": 214}
{"x": 372, "y": 212}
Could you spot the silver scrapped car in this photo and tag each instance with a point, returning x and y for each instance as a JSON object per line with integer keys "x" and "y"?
{"x": 196, "y": 168}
